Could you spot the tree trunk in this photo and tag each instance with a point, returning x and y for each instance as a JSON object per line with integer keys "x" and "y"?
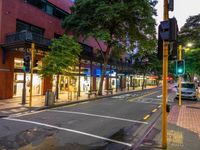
{"x": 143, "y": 83}
{"x": 104, "y": 70}
{"x": 57, "y": 90}
{"x": 189, "y": 77}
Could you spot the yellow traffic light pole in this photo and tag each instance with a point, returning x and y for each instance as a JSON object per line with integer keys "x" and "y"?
{"x": 31, "y": 80}
{"x": 165, "y": 83}
{"x": 180, "y": 58}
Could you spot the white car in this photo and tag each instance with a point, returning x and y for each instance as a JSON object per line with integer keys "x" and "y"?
{"x": 188, "y": 91}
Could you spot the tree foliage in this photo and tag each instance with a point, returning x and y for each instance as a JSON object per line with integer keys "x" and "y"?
{"x": 118, "y": 23}
{"x": 190, "y": 32}
{"x": 192, "y": 62}
{"x": 62, "y": 58}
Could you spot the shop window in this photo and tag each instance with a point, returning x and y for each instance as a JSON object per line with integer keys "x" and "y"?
{"x": 18, "y": 63}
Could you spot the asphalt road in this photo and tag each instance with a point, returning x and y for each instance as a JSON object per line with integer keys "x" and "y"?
{"x": 111, "y": 123}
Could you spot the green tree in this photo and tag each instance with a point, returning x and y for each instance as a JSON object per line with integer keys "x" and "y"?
{"x": 192, "y": 63}
{"x": 190, "y": 32}
{"x": 62, "y": 58}
{"x": 147, "y": 63}
{"x": 118, "y": 23}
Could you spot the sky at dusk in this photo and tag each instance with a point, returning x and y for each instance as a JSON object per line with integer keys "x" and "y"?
{"x": 182, "y": 10}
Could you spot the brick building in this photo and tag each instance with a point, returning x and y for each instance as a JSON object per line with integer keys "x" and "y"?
{"x": 25, "y": 21}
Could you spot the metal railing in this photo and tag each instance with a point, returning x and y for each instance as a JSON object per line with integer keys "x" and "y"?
{"x": 27, "y": 36}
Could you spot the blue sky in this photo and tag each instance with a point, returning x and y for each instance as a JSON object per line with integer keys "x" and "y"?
{"x": 182, "y": 10}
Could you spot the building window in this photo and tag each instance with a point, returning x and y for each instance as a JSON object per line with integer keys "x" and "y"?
{"x": 56, "y": 36}
{"x": 41, "y": 4}
{"x": 22, "y": 26}
{"x": 48, "y": 8}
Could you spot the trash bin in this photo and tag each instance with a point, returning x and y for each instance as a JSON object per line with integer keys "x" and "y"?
{"x": 49, "y": 98}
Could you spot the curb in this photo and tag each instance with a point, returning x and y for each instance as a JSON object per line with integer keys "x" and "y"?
{"x": 75, "y": 102}
{"x": 86, "y": 100}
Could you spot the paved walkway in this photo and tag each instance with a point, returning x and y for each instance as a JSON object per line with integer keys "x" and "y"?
{"x": 183, "y": 129}
{"x": 11, "y": 106}
{"x": 187, "y": 116}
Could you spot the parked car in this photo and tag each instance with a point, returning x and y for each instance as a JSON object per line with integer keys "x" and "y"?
{"x": 188, "y": 91}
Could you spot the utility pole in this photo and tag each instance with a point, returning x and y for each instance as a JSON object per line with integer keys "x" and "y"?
{"x": 31, "y": 80}
{"x": 165, "y": 82}
{"x": 180, "y": 79}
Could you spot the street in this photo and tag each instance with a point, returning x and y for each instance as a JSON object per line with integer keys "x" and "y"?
{"x": 118, "y": 122}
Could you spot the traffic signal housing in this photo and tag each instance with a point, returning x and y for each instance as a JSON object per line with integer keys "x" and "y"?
{"x": 173, "y": 49}
{"x": 168, "y": 30}
{"x": 35, "y": 64}
{"x": 180, "y": 67}
{"x": 27, "y": 59}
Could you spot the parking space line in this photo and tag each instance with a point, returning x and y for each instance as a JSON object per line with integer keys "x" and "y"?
{"x": 95, "y": 115}
{"x": 70, "y": 130}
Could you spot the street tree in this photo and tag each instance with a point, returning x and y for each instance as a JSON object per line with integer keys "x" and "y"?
{"x": 62, "y": 58}
{"x": 117, "y": 23}
{"x": 190, "y": 32}
{"x": 147, "y": 64}
{"x": 192, "y": 63}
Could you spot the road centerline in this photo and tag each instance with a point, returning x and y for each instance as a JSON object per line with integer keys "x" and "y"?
{"x": 100, "y": 116}
{"x": 69, "y": 130}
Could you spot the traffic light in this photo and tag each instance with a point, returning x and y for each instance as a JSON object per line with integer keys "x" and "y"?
{"x": 173, "y": 48}
{"x": 27, "y": 59}
{"x": 35, "y": 64}
{"x": 180, "y": 67}
{"x": 168, "y": 30}
{"x": 171, "y": 5}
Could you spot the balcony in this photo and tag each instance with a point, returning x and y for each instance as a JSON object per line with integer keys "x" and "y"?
{"x": 25, "y": 38}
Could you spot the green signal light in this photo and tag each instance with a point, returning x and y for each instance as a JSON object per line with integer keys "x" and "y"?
{"x": 180, "y": 70}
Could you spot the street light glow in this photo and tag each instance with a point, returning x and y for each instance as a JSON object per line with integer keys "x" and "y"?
{"x": 189, "y": 45}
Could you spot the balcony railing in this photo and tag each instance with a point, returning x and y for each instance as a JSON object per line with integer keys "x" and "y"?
{"x": 27, "y": 36}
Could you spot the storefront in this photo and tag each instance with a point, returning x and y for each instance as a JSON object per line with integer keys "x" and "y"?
{"x": 19, "y": 80}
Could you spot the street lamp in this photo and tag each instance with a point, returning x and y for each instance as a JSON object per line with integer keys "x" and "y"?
{"x": 189, "y": 45}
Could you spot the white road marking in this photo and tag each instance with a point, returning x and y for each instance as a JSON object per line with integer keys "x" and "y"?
{"x": 26, "y": 113}
{"x": 95, "y": 115}
{"x": 69, "y": 130}
{"x": 149, "y": 102}
{"x": 159, "y": 96}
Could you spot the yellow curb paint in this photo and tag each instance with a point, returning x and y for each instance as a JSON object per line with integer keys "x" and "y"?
{"x": 154, "y": 110}
{"x": 146, "y": 117}
{"x": 131, "y": 100}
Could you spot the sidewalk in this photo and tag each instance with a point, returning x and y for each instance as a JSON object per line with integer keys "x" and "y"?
{"x": 11, "y": 106}
{"x": 183, "y": 129}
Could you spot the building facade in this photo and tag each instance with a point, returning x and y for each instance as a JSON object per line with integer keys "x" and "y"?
{"x": 23, "y": 22}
